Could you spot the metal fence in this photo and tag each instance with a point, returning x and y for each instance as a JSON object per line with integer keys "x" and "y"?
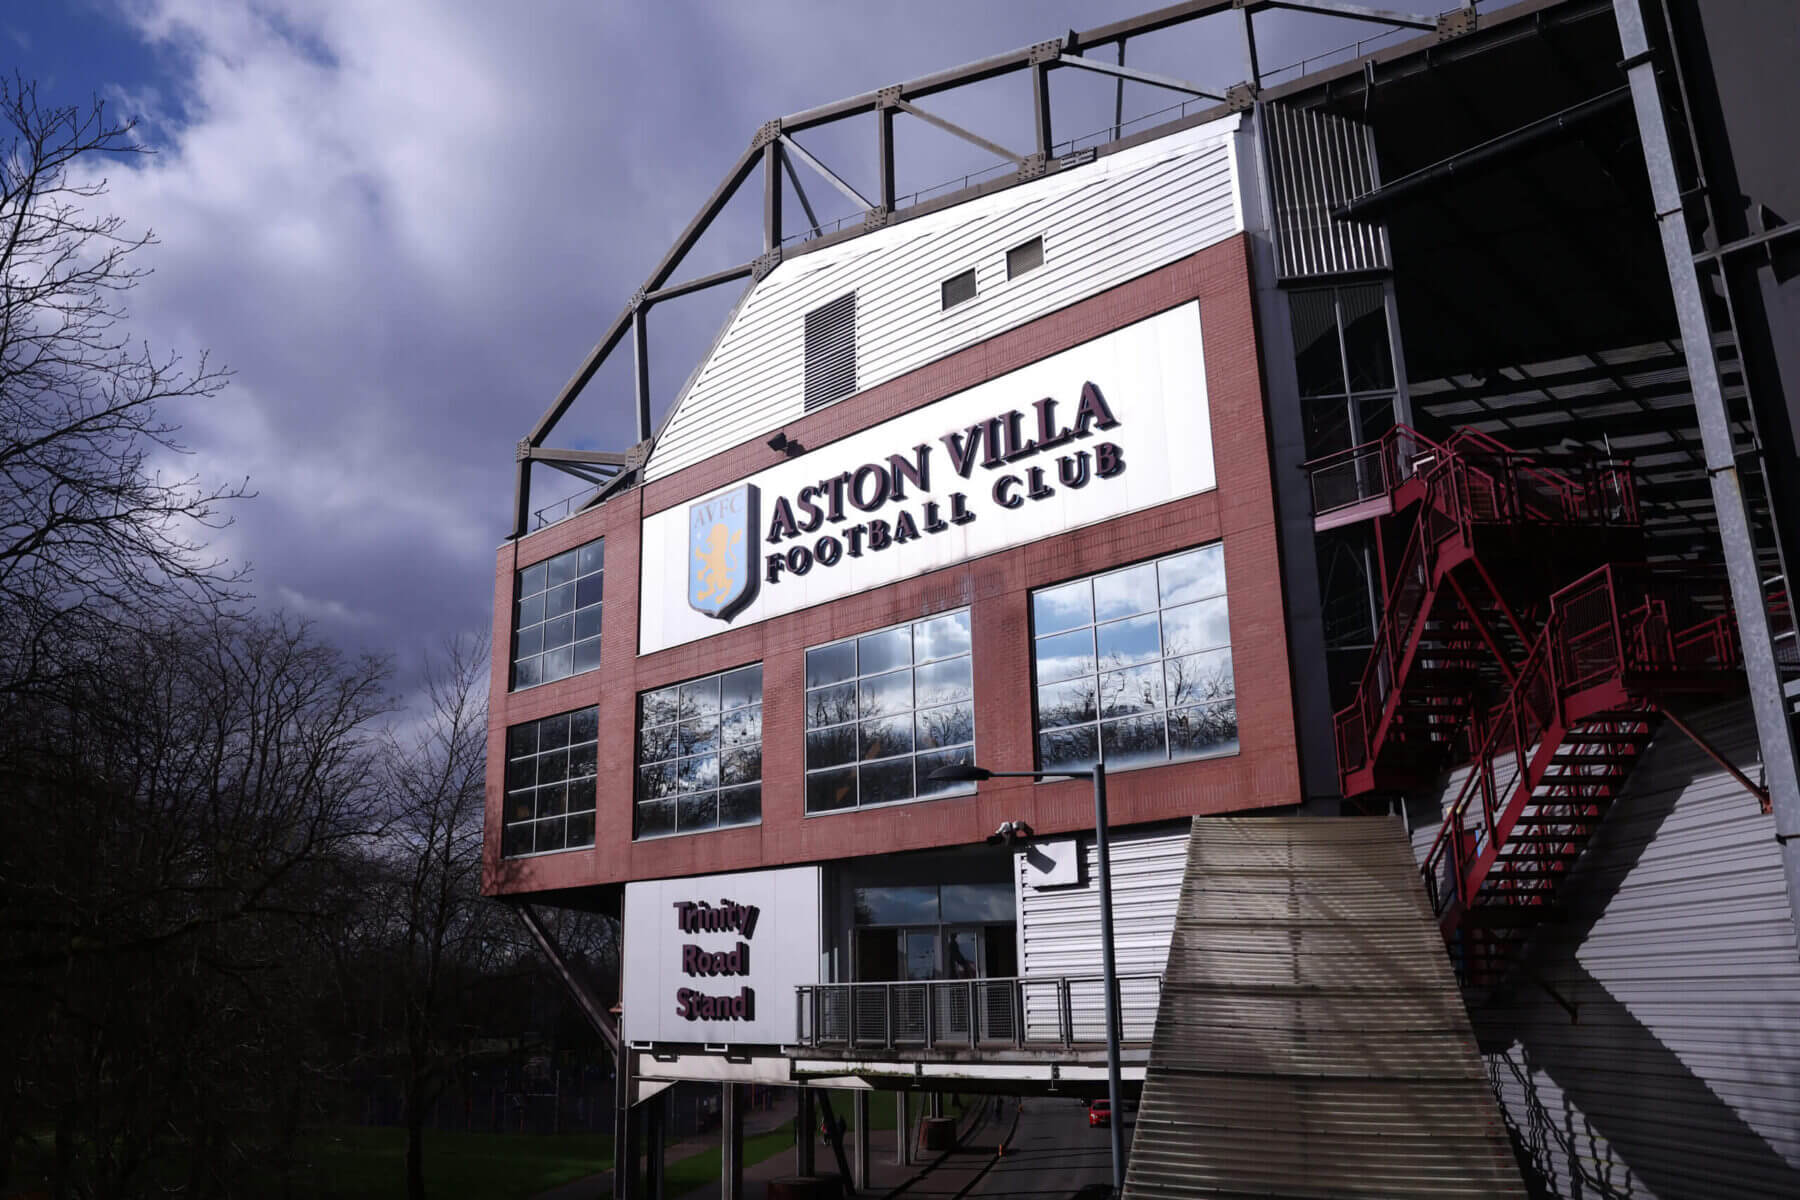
{"x": 949, "y": 1013}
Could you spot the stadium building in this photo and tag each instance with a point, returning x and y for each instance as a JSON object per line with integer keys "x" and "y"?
{"x": 1384, "y": 468}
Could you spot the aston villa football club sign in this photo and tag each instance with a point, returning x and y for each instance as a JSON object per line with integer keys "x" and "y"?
{"x": 722, "y": 553}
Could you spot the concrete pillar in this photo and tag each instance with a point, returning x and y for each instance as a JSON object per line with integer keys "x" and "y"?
{"x": 902, "y": 1134}
{"x": 806, "y": 1133}
{"x": 656, "y": 1112}
{"x": 731, "y": 1136}
{"x": 859, "y": 1106}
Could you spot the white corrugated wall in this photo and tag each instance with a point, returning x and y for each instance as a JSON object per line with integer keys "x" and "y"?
{"x": 1059, "y": 931}
{"x": 1678, "y": 1074}
{"x": 1102, "y": 224}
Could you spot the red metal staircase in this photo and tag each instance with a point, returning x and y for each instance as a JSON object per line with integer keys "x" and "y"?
{"x": 1548, "y": 762}
{"x": 1470, "y": 511}
{"x": 1549, "y": 720}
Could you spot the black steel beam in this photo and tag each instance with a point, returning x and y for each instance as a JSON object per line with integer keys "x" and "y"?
{"x": 741, "y": 271}
{"x": 951, "y": 127}
{"x": 721, "y": 196}
{"x": 1355, "y": 12}
{"x": 578, "y": 991}
{"x": 599, "y": 458}
{"x": 640, "y": 362}
{"x": 884, "y": 156}
{"x": 831, "y": 176}
{"x": 771, "y": 197}
{"x": 1372, "y": 204}
{"x": 812, "y": 219}
{"x": 1132, "y": 73}
{"x": 1040, "y": 107}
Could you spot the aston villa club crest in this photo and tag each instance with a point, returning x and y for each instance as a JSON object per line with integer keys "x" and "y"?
{"x": 722, "y": 553}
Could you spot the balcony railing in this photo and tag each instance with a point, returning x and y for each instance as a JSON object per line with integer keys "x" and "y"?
{"x": 948, "y": 1014}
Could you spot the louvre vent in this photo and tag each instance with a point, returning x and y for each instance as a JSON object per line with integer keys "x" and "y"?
{"x": 959, "y": 288}
{"x": 831, "y": 351}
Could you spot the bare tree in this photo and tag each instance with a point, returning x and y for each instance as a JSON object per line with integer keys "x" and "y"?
{"x": 435, "y": 779}
{"x": 90, "y": 526}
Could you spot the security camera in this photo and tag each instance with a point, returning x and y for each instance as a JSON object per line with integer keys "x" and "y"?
{"x": 1009, "y": 833}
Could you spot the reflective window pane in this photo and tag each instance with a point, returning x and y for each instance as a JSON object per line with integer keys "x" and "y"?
{"x": 530, "y": 612}
{"x": 1107, "y": 688}
{"x": 976, "y": 903}
{"x": 546, "y": 778}
{"x": 941, "y": 637}
{"x": 831, "y": 664}
{"x": 740, "y": 806}
{"x": 1318, "y": 357}
{"x": 558, "y": 664}
{"x": 1198, "y": 626}
{"x": 899, "y": 905}
{"x": 883, "y": 695}
{"x": 559, "y": 600}
{"x": 562, "y": 568}
{"x": 1133, "y": 640}
{"x": 831, "y": 705}
{"x": 529, "y": 642}
{"x": 1366, "y": 345}
{"x": 1065, "y": 656}
{"x": 1056, "y": 609}
{"x": 925, "y": 764}
{"x": 1206, "y": 729}
{"x": 885, "y": 782}
{"x": 558, "y": 606}
{"x": 531, "y": 581}
{"x": 592, "y": 557}
{"x": 951, "y": 725}
{"x": 691, "y": 753}
{"x": 830, "y": 790}
{"x": 883, "y": 651}
{"x": 587, "y": 655}
{"x": 1125, "y": 593}
{"x": 879, "y": 700}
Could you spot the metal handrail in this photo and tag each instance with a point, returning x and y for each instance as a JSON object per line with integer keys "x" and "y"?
{"x": 1060, "y": 1011}
{"x": 1590, "y": 639}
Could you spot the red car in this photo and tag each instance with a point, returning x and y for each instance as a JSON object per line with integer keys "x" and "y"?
{"x": 1099, "y": 1113}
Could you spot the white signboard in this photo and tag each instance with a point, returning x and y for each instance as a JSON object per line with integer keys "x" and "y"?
{"x": 715, "y": 958}
{"x": 1102, "y": 429}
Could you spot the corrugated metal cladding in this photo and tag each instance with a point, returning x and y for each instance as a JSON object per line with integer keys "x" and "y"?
{"x": 1318, "y": 161}
{"x": 1311, "y": 1041}
{"x": 1059, "y": 932}
{"x": 1679, "y": 1074}
{"x": 1102, "y": 224}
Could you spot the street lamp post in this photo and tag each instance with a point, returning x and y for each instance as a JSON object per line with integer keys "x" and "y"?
{"x": 970, "y": 773}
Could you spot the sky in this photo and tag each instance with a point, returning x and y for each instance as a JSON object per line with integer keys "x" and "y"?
{"x": 403, "y": 223}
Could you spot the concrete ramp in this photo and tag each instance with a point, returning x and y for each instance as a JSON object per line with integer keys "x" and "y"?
{"x": 1310, "y": 1040}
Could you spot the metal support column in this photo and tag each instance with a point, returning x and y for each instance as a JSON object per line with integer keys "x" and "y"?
{"x": 1781, "y": 766}
{"x": 902, "y": 1134}
{"x": 656, "y": 1128}
{"x": 1040, "y": 107}
{"x": 884, "y": 157}
{"x": 731, "y": 1136}
{"x": 640, "y": 346}
{"x": 625, "y": 1132}
{"x": 806, "y": 1133}
{"x": 859, "y": 1109}
{"x": 771, "y": 197}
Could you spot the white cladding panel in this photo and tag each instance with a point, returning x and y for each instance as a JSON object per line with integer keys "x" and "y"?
{"x": 783, "y": 952}
{"x": 1059, "y": 931}
{"x": 1680, "y": 1075}
{"x": 1151, "y": 376}
{"x": 1102, "y": 224}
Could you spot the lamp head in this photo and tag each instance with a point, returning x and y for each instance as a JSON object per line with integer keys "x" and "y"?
{"x": 961, "y": 773}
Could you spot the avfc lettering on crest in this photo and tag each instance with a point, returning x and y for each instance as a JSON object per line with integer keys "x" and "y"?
{"x": 722, "y": 552}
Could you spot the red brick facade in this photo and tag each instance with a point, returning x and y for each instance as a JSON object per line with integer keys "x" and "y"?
{"x": 996, "y": 588}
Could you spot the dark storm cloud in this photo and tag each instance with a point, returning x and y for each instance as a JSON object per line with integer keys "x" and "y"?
{"x": 403, "y": 224}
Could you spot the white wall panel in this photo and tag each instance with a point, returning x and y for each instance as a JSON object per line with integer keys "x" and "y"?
{"x": 1102, "y": 224}
{"x": 1059, "y": 931}
{"x": 1679, "y": 1074}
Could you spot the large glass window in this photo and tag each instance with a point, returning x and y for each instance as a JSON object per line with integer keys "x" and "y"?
{"x": 1134, "y": 666}
{"x": 885, "y": 710}
{"x": 1344, "y": 360}
{"x": 550, "y": 773}
{"x": 556, "y": 616}
{"x": 699, "y": 753}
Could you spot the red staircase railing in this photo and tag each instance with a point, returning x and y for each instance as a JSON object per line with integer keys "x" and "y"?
{"x": 1466, "y": 481}
{"x": 1617, "y": 642}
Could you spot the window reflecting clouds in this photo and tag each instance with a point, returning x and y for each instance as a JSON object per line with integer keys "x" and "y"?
{"x": 885, "y": 710}
{"x": 549, "y": 781}
{"x": 1134, "y": 665}
{"x": 556, "y": 616}
{"x": 699, "y": 754}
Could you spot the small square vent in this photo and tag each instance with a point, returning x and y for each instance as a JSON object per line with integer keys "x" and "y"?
{"x": 831, "y": 351}
{"x": 1028, "y": 257}
{"x": 959, "y": 288}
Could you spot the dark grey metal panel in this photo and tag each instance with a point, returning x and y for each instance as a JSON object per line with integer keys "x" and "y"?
{"x": 1318, "y": 162}
{"x": 1310, "y": 1039}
